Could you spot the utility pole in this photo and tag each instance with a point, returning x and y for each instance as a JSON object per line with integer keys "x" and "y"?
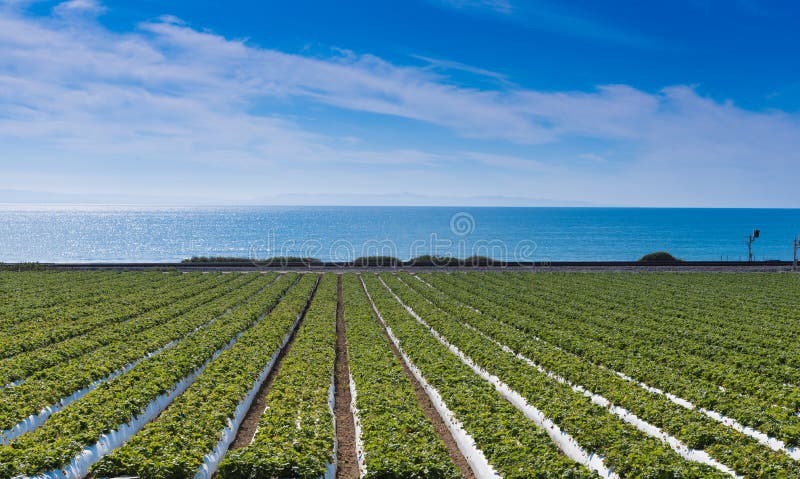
{"x": 750, "y": 239}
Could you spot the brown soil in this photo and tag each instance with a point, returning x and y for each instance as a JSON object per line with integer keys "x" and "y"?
{"x": 430, "y": 411}
{"x": 347, "y": 460}
{"x": 247, "y": 430}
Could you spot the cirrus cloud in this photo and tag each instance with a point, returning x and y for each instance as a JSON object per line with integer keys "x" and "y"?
{"x": 69, "y": 87}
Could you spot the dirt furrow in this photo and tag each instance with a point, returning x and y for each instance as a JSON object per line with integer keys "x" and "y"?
{"x": 347, "y": 461}
{"x": 247, "y": 430}
{"x": 430, "y": 411}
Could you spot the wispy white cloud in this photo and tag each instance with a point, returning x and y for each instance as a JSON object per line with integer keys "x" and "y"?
{"x": 72, "y": 7}
{"x": 499, "y": 6}
{"x": 176, "y": 95}
{"x": 447, "y": 66}
{"x": 592, "y": 157}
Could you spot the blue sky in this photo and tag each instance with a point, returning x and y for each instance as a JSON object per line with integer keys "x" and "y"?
{"x": 463, "y": 102}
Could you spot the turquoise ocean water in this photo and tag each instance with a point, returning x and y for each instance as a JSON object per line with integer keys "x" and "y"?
{"x": 131, "y": 234}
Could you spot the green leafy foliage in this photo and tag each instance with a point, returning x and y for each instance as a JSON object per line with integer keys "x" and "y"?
{"x": 116, "y": 402}
{"x": 272, "y": 261}
{"x": 50, "y": 385}
{"x": 659, "y": 257}
{"x": 626, "y": 450}
{"x": 156, "y": 307}
{"x": 493, "y": 303}
{"x": 83, "y": 311}
{"x": 399, "y": 441}
{"x": 728, "y": 343}
{"x": 175, "y": 443}
{"x": 726, "y": 359}
{"x": 377, "y": 261}
{"x": 514, "y": 445}
{"x": 295, "y": 435}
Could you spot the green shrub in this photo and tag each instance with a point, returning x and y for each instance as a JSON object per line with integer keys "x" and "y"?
{"x": 276, "y": 260}
{"x": 377, "y": 261}
{"x": 659, "y": 257}
{"x": 430, "y": 260}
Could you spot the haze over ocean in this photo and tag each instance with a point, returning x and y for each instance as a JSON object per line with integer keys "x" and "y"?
{"x": 135, "y": 234}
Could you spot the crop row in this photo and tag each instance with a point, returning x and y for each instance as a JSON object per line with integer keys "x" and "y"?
{"x": 53, "y": 388}
{"x": 170, "y": 305}
{"x": 697, "y": 431}
{"x": 512, "y": 444}
{"x": 183, "y": 440}
{"x": 765, "y": 300}
{"x": 295, "y": 436}
{"x": 71, "y": 302}
{"x": 74, "y": 320}
{"x": 698, "y": 348}
{"x": 72, "y": 438}
{"x": 652, "y": 366}
{"x": 697, "y": 314}
{"x": 33, "y": 294}
{"x": 627, "y": 451}
{"x": 534, "y": 375}
{"x": 398, "y": 440}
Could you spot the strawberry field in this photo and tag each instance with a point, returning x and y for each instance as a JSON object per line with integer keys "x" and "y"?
{"x": 399, "y": 375}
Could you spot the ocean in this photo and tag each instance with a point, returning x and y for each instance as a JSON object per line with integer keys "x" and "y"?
{"x": 149, "y": 234}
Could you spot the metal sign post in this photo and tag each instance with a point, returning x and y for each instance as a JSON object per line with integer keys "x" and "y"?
{"x": 750, "y": 239}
